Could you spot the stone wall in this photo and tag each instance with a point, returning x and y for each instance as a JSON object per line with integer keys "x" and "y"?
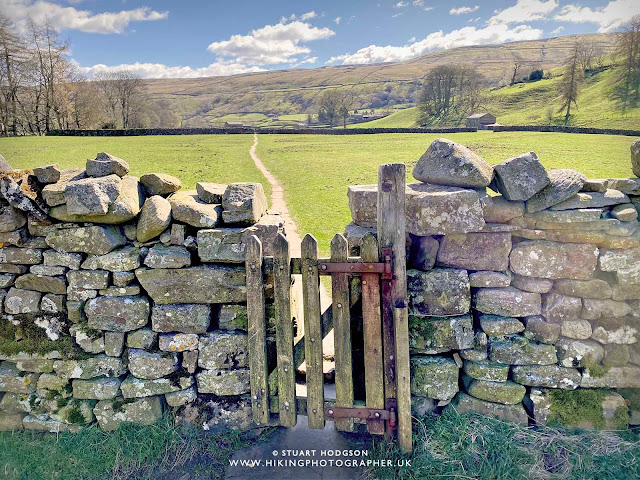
{"x": 121, "y": 297}
{"x": 565, "y": 129}
{"x": 524, "y": 298}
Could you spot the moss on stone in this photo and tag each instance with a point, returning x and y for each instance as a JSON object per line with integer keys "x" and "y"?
{"x": 632, "y": 396}
{"x": 576, "y": 407}
{"x": 119, "y": 403}
{"x": 596, "y": 369}
{"x": 28, "y": 338}
{"x": 75, "y": 416}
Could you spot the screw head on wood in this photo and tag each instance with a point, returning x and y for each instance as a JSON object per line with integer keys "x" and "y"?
{"x": 313, "y": 340}
{"x": 281, "y": 267}
{"x": 262, "y": 391}
{"x": 310, "y": 268}
{"x": 324, "y": 267}
{"x": 255, "y": 397}
{"x": 253, "y": 266}
{"x": 339, "y": 305}
{"x": 330, "y": 412}
{"x": 377, "y": 414}
{"x": 315, "y": 410}
{"x": 364, "y": 282}
{"x": 286, "y": 369}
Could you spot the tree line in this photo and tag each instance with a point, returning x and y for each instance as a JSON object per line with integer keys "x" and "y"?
{"x": 41, "y": 90}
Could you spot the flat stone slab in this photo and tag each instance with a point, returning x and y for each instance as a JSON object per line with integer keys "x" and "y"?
{"x": 434, "y": 377}
{"x": 132, "y": 387}
{"x": 517, "y": 350}
{"x": 203, "y": 284}
{"x": 160, "y": 184}
{"x": 122, "y": 260}
{"x": 180, "y": 317}
{"x": 223, "y": 350}
{"x": 475, "y": 251}
{"x": 96, "y": 389}
{"x": 224, "y": 382}
{"x": 171, "y": 256}
{"x": 95, "y": 240}
{"x": 118, "y": 314}
{"x": 147, "y": 365}
{"x": 432, "y": 335}
{"x": 106, "y": 164}
{"x": 554, "y": 260}
{"x": 563, "y": 184}
{"x": 92, "y": 195}
{"x": 511, "y": 413}
{"x": 448, "y": 163}
{"x": 592, "y": 200}
{"x": 508, "y": 393}
{"x": 186, "y": 207}
{"x": 507, "y": 302}
{"x": 614, "y": 377}
{"x": 143, "y": 411}
{"x": 549, "y": 376}
{"x": 441, "y": 291}
{"x": 211, "y": 192}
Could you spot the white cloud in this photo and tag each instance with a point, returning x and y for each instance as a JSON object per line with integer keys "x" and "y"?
{"x": 608, "y": 18}
{"x": 271, "y": 44}
{"x": 439, "y": 41}
{"x": 70, "y": 18}
{"x": 401, "y": 4}
{"x": 395, "y": 15}
{"x": 337, "y": 20}
{"x": 159, "y": 70}
{"x": 525, "y": 11}
{"x": 308, "y": 15}
{"x": 557, "y": 30}
{"x": 463, "y": 10}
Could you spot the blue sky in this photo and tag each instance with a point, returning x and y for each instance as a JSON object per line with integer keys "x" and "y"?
{"x": 191, "y": 38}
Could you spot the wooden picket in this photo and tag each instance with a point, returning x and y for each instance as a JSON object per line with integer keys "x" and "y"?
{"x": 383, "y": 299}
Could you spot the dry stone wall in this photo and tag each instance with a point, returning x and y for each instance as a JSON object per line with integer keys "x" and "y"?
{"x": 121, "y": 297}
{"x": 524, "y": 288}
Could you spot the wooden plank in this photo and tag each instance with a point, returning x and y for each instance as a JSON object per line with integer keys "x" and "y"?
{"x": 392, "y": 232}
{"x": 372, "y": 331}
{"x": 284, "y": 332}
{"x": 342, "y": 332}
{"x": 257, "y": 332}
{"x": 403, "y": 375}
{"x": 312, "y": 331}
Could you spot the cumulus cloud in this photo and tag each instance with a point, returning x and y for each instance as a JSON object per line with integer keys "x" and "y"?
{"x": 337, "y": 20}
{"x": 608, "y": 18}
{"x": 401, "y": 4}
{"x": 70, "y": 18}
{"x": 439, "y": 41}
{"x": 271, "y": 44}
{"x": 463, "y": 10}
{"x": 525, "y": 11}
{"x": 159, "y": 70}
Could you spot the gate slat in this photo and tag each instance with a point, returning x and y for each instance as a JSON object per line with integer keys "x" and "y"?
{"x": 372, "y": 330}
{"x": 401, "y": 325}
{"x": 284, "y": 333}
{"x": 342, "y": 332}
{"x": 257, "y": 332}
{"x": 312, "y": 332}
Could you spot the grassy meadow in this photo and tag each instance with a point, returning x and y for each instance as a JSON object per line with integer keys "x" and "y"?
{"x": 315, "y": 170}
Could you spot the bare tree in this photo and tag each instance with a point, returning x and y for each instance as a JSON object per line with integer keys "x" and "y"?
{"x": 586, "y": 52}
{"x": 571, "y": 81}
{"x": 11, "y": 57}
{"x": 627, "y": 88}
{"x": 129, "y": 88}
{"x": 515, "y": 68}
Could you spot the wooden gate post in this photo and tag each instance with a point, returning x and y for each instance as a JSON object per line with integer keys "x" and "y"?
{"x": 392, "y": 232}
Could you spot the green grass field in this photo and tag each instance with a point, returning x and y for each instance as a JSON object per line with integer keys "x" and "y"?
{"x": 192, "y": 158}
{"x": 316, "y": 170}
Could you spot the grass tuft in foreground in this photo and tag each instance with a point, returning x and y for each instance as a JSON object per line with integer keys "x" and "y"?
{"x": 474, "y": 446}
{"x": 162, "y": 450}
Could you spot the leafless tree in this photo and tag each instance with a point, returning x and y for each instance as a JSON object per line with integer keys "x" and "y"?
{"x": 627, "y": 88}
{"x": 571, "y": 81}
{"x": 12, "y": 50}
{"x": 515, "y": 68}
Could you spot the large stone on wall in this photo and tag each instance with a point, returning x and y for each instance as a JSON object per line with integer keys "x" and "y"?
{"x": 144, "y": 338}
{"x": 106, "y": 164}
{"x": 126, "y": 207}
{"x": 475, "y": 251}
{"x": 441, "y": 291}
{"x": 122, "y": 260}
{"x": 223, "y": 350}
{"x": 557, "y": 308}
{"x": 593, "y": 309}
{"x": 635, "y": 158}
{"x": 440, "y": 210}
{"x": 507, "y": 302}
{"x": 499, "y": 326}
{"x": 625, "y": 263}
{"x": 614, "y": 377}
{"x": 11, "y": 218}
{"x": 95, "y": 240}
{"x": 154, "y": 219}
{"x": 20, "y": 256}
{"x": 434, "y": 377}
{"x": 544, "y": 259}
{"x": 110, "y": 414}
{"x": 508, "y": 393}
{"x": 172, "y": 256}
{"x": 430, "y": 209}
{"x": 563, "y": 184}
{"x": 53, "y": 194}
{"x": 431, "y": 335}
{"x": 147, "y": 365}
{"x": 485, "y": 370}
{"x": 578, "y": 353}
{"x": 203, "y": 284}
{"x": 92, "y": 196}
{"x": 550, "y": 376}
{"x": 594, "y": 288}
{"x": 448, "y": 163}
{"x": 521, "y": 177}
{"x": 517, "y": 350}
{"x": 592, "y": 200}
{"x": 500, "y": 210}
{"x": 243, "y": 203}
{"x": 117, "y": 314}
{"x": 464, "y": 403}
{"x": 132, "y": 387}
{"x": 96, "y": 388}
{"x": 70, "y": 260}
{"x": 160, "y": 184}
{"x": 224, "y": 382}
{"x": 42, "y": 283}
{"x": 180, "y": 317}
{"x": 489, "y": 279}
{"x": 95, "y": 366}
{"x": 178, "y": 342}
{"x": 13, "y": 380}
{"x": 22, "y": 301}
{"x": 211, "y": 192}
{"x": 619, "y": 331}
{"x": 186, "y": 207}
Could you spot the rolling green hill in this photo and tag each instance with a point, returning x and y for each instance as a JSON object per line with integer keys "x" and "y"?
{"x": 537, "y": 103}
{"x": 205, "y": 101}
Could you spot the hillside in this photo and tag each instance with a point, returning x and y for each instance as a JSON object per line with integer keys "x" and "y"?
{"x": 203, "y": 101}
{"x": 537, "y": 103}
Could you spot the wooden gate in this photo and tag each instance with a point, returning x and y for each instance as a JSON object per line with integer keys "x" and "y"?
{"x": 382, "y": 269}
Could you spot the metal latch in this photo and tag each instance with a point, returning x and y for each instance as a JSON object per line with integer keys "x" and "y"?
{"x": 363, "y": 413}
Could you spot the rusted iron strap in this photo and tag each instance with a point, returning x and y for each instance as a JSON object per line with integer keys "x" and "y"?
{"x": 364, "y": 413}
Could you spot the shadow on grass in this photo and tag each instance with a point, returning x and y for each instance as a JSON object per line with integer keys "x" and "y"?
{"x": 159, "y": 451}
{"x": 474, "y": 446}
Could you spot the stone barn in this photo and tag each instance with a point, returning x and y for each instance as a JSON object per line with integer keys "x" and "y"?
{"x": 480, "y": 120}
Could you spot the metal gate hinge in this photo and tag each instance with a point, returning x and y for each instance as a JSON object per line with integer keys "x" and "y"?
{"x": 364, "y": 413}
